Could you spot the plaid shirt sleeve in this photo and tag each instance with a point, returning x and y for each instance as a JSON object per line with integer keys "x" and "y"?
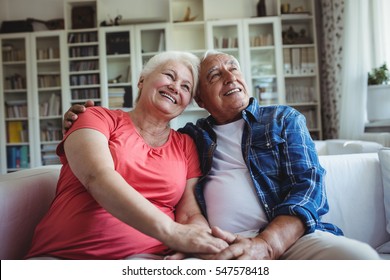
{"x": 285, "y": 167}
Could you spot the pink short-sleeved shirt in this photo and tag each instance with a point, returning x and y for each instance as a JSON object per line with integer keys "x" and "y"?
{"x": 77, "y": 227}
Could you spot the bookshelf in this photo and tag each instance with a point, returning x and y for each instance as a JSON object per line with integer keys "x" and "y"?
{"x": 16, "y": 99}
{"x": 119, "y": 59}
{"x": 277, "y": 53}
{"x": 300, "y": 61}
{"x": 50, "y": 84}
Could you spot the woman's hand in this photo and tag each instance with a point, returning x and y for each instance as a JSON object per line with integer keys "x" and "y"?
{"x": 224, "y": 236}
{"x": 193, "y": 239}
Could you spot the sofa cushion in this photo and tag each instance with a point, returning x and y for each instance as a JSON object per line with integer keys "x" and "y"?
{"x": 384, "y": 157}
{"x": 355, "y": 194}
{"x": 343, "y": 146}
{"x": 25, "y": 197}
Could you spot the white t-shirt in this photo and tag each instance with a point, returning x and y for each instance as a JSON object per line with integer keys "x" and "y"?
{"x": 231, "y": 200}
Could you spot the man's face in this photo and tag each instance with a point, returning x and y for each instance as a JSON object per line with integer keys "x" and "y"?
{"x": 223, "y": 91}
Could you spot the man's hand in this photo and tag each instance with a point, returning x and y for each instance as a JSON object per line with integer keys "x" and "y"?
{"x": 71, "y": 115}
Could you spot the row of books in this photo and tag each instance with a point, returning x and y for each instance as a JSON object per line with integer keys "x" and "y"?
{"x": 299, "y": 93}
{"x": 16, "y": 109}
{"x": 83, "y": 51}
{"x": 49, "y": 80}
{"x": 225, "y": 42}
{"x": 84, "y": 37}
{"x": 84, "y": 65}
{"x": 51, "y": 133}
{"x": 48, "y": 154}
{"x": 81, "y": 80}
{"x": 17, "y": 157}
{"x": 48, "y": 53}
{"x": 120, "y": 97}
{"x": 299, "y": 61}
{"x": 262, "y": 40}
{"x": 90, "y": 93}
{"x": 11, "y": 53}
{"x": 15, "y": 81}
{"x": 51, "y": 107}
{"x": 310, "y": 116}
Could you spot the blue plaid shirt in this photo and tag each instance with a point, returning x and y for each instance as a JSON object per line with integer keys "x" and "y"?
{"x": 282, "y": 161}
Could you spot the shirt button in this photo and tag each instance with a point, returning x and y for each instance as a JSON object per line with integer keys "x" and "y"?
{"x": 266, "y": 205}
{"x": 268, "y": 144}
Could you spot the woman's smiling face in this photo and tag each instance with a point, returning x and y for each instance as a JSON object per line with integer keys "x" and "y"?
{"x": 169, "y": 87}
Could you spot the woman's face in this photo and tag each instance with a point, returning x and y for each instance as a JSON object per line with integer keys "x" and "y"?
{"x": 168, "y": 88}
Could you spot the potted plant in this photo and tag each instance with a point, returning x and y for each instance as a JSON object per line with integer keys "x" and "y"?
{"x": 378, "y": 94}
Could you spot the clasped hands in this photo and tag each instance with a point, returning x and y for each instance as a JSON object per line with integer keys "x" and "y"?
{"x": 239, "y": 248}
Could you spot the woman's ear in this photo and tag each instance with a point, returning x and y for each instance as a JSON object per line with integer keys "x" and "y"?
{"x": 141, "y": 82}
{"x": 198, "y": 100}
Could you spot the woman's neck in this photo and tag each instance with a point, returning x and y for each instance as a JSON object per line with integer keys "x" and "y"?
{"x": 155, "y": 132}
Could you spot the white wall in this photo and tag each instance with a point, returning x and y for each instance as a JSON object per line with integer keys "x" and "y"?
{"x": 22, "y": 9}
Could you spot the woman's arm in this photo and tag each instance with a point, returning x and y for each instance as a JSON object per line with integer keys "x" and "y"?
{"x": 187, "y": 210}
{"x": 90, "y": 159}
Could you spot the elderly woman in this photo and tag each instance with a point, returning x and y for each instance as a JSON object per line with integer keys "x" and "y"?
{"x": 124, "y": 175}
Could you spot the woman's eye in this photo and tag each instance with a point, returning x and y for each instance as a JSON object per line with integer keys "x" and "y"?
{"x": 169, "y": 75}
{"x": 186, "y": 87}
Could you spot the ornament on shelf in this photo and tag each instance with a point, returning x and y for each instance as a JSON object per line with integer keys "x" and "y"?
{"x": 261, "y": 9}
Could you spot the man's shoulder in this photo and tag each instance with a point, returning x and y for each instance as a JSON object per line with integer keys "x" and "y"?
{"x": 277, "y": 111}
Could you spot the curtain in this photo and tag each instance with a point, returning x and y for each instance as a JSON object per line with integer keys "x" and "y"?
{"x": 358, "y": 41}
{"x": 331, "y": 50}
{"x": 355, "y": 63}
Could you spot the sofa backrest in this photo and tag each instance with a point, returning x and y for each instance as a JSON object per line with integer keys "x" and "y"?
{"x": 23, "y": 202}
{"x": 355, "y": 195}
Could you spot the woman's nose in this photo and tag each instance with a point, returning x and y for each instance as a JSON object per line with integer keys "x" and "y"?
{"x": 173, "y": 87}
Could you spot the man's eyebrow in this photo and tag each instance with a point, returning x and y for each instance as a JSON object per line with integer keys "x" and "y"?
{"x": 211, "y": 70}
{"x": 232, "y": 62}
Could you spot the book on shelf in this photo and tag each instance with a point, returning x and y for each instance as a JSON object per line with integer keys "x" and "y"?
{"x": 304, "y": 61}
{"x": 17, "y": 157}
{"x": 161, "y": 43}
{"x": 16, "y": 108}
{"x": 15, "y": 132}
{"x": 287, "y": 61}
{"x": 296, "y": 60}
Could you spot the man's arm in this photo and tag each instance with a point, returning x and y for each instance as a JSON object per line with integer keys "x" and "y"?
{"x": 71, "y": 115}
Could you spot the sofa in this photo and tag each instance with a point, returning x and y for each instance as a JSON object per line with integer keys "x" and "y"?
{"x": 357, "y": 185}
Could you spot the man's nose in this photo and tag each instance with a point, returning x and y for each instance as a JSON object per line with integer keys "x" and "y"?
{"x": 229, "y": 77}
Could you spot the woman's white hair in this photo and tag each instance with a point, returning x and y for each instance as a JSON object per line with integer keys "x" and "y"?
{"x": 188, "y": 59}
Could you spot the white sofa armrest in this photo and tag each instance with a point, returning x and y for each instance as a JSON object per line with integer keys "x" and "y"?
{"x": 25, "y": 196}
{"x": 355, "y": 195}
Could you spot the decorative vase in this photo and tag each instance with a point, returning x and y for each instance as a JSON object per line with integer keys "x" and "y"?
{"x": 261, "y": 9}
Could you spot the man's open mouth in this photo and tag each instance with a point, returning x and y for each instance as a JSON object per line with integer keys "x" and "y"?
{"x": 232, "y": 91}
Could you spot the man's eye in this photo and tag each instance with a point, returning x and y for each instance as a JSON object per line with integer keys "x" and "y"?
{"x": 213, "y": 77}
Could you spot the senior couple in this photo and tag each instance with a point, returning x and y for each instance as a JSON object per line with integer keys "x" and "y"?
{"x": 243, "y": 183}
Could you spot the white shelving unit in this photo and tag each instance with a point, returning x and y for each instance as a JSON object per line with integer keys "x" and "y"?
{"x": 49, "y": 82}
{"x": 300, "y": 59}
{"x": 16, "y": 98}
{"x": 277, "y": 53}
